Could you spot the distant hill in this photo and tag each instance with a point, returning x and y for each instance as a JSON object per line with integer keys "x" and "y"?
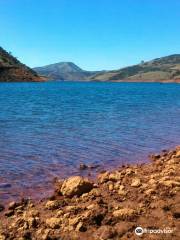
{"x": 12, "y": 70}
{"x": 165, "y": 69}
{"x": 66, "y": 71}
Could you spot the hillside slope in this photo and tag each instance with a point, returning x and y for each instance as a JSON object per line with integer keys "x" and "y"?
{"x": 66, "y": 71}
{"x": 165, "y": 69}
{"x": 12, "y": 70}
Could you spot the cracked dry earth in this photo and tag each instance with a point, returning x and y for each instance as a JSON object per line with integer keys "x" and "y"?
{"x": 111, "y": 207}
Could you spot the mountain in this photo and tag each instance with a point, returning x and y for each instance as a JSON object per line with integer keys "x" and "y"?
{"x": 12, "y": 70}
{"x": 66, "y": 71}
{"x": 165, "y": 69}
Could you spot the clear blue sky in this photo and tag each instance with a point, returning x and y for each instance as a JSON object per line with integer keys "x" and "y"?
{"x": 94, "y": 34}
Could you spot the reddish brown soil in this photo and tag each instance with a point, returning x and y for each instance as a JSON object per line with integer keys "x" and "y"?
{"x": 146, "y": 195}
{"x": 12, "y": 70}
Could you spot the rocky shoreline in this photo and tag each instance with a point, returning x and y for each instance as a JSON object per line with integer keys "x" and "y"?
{"x": 12, "y": 70}
{"x": 145, "y": 195}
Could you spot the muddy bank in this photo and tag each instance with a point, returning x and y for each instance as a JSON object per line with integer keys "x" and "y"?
{"x": 146, "y": 195}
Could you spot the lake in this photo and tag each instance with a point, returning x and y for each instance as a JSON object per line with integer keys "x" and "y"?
{"x": 48, "y": 129}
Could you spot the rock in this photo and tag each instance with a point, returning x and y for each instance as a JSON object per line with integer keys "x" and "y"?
{"x": 59, "y": 213}
{"x": 121, "y": 187}
{"x": 145, "y": 186}
{"x": 76, "y": 186}
{"x": 66, "y": 215}
{"x": 173, "y": 161}
{"x": 83, "y": 166}
{"x": 157, "y": 156}
{"x": 125, "y": 213}
{"x": 170, "y": 183}
{"x": 71, "y": 208}
{"x": 152, "y": 181}
{"x": 30, "y": 214}
{"x": 74, "y": 221}
{"x": 9, "y": 213}
{"x": 57, "y": 185}
{"x": 52, "y": 205}
{"x": 150, "y": 191}
{"x": 153, "y": 176}
{"x": 129, "y": 172}
{"x": 92, "y": 206}
{"x": 178, "y": 154}
{"x": 87, "y": 214}
{"x": 95, "y": 192}
{"x": 122, "y": 192}
{"x": 117, "y": 185}
{"x": 80, "y": 227}
{"x": 85, "y": 195}
{"x": 136, "y": 182}
{"x": 103, "y": 177}
{"x": 19, "y": 222}
{"x": 33, "y": 221}
{"x": 12, "y": 205}
{"x": 115, "y": 176}
{"x": 19, "y": 208}
{"x": 53, "y": 222}
{"x": 45, "y": 235}
{"x": 2, "y": 237}
{"x": 104, "y": 233}
{"x": 111, "y": 187}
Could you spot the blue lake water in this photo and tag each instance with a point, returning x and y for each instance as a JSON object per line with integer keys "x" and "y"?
{"x": 48, "y": 129}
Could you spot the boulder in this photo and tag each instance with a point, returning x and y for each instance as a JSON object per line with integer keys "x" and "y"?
{"x": 53, "y": 222}
{"x": 115, "y": 176}
{"x": 125, "y": 213}
{"x": 122, "y": 192}
{"x": 51, "y": 205}
{"x": 76, "y": 186}
{"x": 103, "y": 177}
{"x": 136, "y": 182}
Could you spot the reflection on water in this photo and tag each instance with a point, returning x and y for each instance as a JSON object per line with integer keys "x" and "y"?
{"x": 47, "y": 129}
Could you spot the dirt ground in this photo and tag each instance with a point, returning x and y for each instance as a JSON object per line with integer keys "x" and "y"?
{"x": 111, "y": 207}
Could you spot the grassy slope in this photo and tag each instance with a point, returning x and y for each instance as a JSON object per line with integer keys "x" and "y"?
{"x": 160, "y": 69}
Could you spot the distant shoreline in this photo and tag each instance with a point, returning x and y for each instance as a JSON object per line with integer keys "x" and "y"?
{"x": 44, "y": 80}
